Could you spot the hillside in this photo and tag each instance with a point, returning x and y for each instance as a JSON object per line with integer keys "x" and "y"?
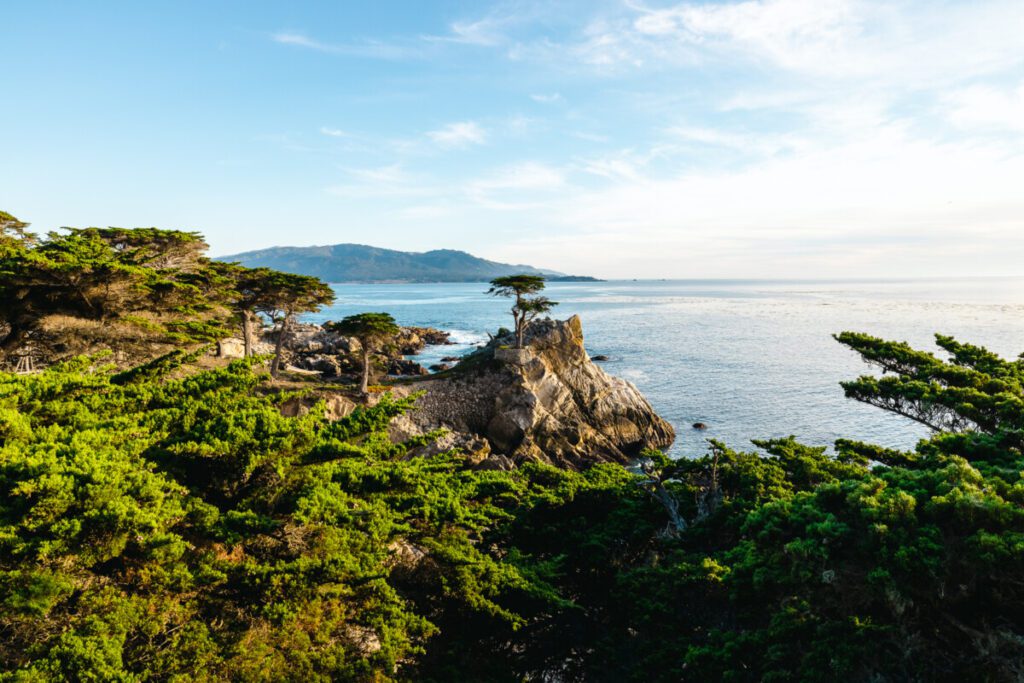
{"x": 361, "y": 263}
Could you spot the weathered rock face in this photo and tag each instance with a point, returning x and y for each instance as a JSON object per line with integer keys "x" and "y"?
{"x": 548, "y": 402}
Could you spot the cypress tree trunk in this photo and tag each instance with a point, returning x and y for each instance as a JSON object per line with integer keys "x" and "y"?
{"x": 364, "y": 386}
{"x": 247, "y": 332}
{"x": 275, "y": 367}
{"x": 517, "y": 315}
{"x": 13, "y": 339}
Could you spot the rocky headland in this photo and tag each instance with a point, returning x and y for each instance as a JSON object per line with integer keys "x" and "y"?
{"x": 547, "y": 402}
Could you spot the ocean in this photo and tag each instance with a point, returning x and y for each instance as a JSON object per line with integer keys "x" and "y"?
{"x": 751, "y": 359}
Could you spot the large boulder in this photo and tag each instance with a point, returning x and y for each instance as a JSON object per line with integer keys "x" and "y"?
{"x": 548, "y": 402}
{"x": 336, "y": 405}
{"x": 405, "y": 367}
{"x": 234, "y": 347}
{"x": 326, "y": 365}
{"x": 231, "y": 347}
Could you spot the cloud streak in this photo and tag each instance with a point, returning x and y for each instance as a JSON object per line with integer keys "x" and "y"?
{"x": 460, "y": 134}
{"x": 372, "y": 49}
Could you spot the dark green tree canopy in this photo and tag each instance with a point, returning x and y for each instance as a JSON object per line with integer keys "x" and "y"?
{"x": 137, "y": 291}
{"x": 516, "y": 285}
{"x": 369, "y": 326}
{"x": 284, "y": 295}
{"x": 155, "y": 281}
{"x": 13, "y": 232}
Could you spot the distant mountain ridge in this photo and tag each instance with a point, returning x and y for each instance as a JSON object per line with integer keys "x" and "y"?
{"x": 362, "y": 263}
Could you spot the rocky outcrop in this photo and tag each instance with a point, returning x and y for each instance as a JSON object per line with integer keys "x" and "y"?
{"x": 318, "y": 348}
{"x": 548, "y": 402}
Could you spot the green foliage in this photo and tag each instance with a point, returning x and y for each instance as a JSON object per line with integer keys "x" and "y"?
{"x": 141, "y": 292}
{"x": 367, "y": 326}
{"x": 13, "y": 234}
{"x": 278, "y": 296}
{"x": 283, "y": 295}
{"x": 100, "y": 288}
{"x": 154, "y": 528}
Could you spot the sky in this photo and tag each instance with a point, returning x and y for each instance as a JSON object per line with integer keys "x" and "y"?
{"x": 749, "y": 139}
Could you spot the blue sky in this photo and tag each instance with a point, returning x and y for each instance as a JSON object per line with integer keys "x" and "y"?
{"x": 772, "y": 138}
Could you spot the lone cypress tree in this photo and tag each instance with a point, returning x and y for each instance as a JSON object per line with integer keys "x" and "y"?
{"x": 370, "y": 329}
{"x": 526, "y": 307}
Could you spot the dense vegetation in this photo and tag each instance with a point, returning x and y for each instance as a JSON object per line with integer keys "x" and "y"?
{"x": 165, "y": 522}
{"x": 140, "y": 292}
{"x": 155, "y": 526}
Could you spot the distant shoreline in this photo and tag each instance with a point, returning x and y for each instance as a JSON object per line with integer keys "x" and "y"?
{"x": 698, "y": 280}
{"x": 559, "y": 278}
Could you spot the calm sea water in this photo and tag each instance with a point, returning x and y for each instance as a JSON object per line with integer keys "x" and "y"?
{"x": 752, "y": 359}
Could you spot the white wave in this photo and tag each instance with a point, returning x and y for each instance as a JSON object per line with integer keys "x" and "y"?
{"x": 466, "y": 337}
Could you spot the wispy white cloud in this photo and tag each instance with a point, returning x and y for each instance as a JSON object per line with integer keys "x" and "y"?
{"x": 486, "y": 32}
{"x": 751, "y": 145}
{"x": 494, "y": 28}
{"x": 790, "y": 32}
{"x": 530, "y": 175}
{"x": 589, "y": 137}
{"x": 617, "y": 169}
{"x": 384, "y": 174}
{"x": 710, "y": 136}
{"x": 333, "y": 132}
{"x": 382, "y": 182}
{"x": 546, "y": 98}
{"x": 301, "y": 40}
{"x": 460, "y": 134}
{"x": 519, "y": 125}
{"x": 517, "y": 187}
{"x": 902, "y": 43}
{"x": 369, "y": 48}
